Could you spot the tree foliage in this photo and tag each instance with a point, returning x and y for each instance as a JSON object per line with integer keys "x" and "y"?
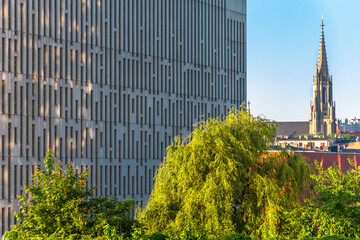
{"x": 109, "y": 212}
{"x": 345, "y": 136}
{"x": 330, "y": 237}
{"x": 349, "y": 136}
{"x": 335, "y": 210}
{"x": 221, "y": 180}
{"x": 62, "y": 207}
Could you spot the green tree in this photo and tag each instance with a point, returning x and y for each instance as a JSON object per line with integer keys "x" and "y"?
{"x": 222, "y": 180}
{"x": 331, "y": 135}
{"x": 349, "y": 136}
{"x": 54, "y": 208}
{"x": 105, "y": 212}
{"x": 336, "y": 208}
{"x": 61, "y": 207}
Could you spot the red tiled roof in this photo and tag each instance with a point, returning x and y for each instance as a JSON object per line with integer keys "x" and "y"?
{"x": 328, "y": 159}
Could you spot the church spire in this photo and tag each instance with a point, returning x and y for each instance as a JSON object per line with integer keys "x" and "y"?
{"x": 322, "y": 112}
{"x": 322, "y": 67}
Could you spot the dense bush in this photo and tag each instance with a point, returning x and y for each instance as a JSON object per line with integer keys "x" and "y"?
{"x": 156, "y": 236}
{"x": 238, "y": 237}
{"x": 333, "y": 237}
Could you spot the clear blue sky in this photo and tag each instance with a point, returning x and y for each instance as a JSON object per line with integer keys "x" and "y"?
{"x": 283, "y": 46}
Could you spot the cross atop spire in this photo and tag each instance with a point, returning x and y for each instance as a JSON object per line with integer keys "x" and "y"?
{"x": 322, "y": 66}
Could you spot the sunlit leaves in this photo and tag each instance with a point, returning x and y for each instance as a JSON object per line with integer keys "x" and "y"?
{"x": 54, "y": 208}
{"x": 336, "y": 209}
{"x": 61, "y": 207}
{"x": 222, "y": 179}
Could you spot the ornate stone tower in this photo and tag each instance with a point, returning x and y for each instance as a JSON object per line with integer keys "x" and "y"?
{"x": 322, "y": 117}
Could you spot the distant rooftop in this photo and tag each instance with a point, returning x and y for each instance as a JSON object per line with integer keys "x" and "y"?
{"x": 293, "y": 129}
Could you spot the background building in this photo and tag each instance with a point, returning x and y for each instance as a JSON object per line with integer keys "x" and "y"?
{"x": 291, "y": 130}
{"x": 108, "y": 84}
{"x": 349, "y": 125}
{"x": 322, "y": 115}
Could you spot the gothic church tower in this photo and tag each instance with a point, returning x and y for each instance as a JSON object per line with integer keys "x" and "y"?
{"x": 322, "y": 117}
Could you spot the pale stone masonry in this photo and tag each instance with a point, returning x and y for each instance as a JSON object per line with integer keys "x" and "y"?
{"x": 108, "y": 84}
{"x": 322, "y": 115}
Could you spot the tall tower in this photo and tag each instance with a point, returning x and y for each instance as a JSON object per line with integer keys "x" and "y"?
{"x": 322, "y": 117}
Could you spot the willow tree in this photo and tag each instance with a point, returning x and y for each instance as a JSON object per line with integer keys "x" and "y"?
{"x": 221, "y": 179}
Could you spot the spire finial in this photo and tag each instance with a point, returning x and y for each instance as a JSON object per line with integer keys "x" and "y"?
{"x": 322, "y": 61}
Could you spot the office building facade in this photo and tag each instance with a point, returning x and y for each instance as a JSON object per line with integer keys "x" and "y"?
{"x": 109, "y": 83}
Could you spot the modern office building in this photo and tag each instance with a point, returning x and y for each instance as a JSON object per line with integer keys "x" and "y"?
{"x": 109, "y": 83}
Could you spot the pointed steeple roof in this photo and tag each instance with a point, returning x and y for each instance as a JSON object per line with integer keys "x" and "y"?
{"x": 322, "y": 66}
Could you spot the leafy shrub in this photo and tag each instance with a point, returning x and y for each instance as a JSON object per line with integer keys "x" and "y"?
{"x": 156, "y": 236}
{"x": 238, "y": 237}
{"x": 333, "y": 237}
